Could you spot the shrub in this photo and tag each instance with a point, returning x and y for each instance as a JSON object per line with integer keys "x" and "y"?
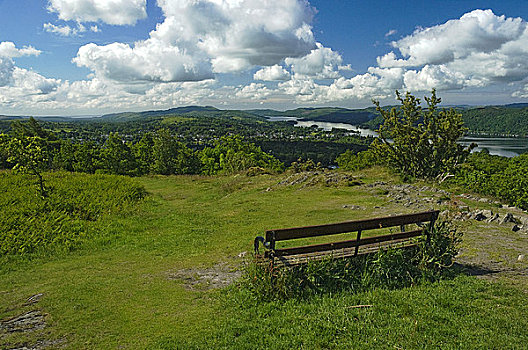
{"x": 391, "y": 268}
{"x": 232, "y": 155}
{"x": 356, "y": 161}
{"x": 305, "y": 165}
{"x": 64, "y": 219}
{"x": 418, "y": 142}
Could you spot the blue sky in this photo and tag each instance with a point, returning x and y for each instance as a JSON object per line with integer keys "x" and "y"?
{"x": 76, "y": 57}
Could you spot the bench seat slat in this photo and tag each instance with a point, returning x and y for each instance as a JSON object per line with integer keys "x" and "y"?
{"x": 346, "y": 244}
{"x": 293, "y": 260}
{"x": 349, "y": 226}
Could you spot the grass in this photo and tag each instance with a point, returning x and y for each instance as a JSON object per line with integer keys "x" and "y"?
{"x": 464, "y": 313}
{"x": 115, "y": 292}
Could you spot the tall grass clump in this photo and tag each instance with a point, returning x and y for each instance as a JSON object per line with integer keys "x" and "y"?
{"x": 430, "y": 260}
{"x": 63, "y": 219}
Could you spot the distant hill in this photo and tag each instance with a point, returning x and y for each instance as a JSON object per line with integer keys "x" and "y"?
{"x": 44, "y": 118}
{"x": 511, "y": 119}
{"x": 497, "y": 120}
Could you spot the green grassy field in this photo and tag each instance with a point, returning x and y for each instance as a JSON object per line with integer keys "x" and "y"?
{"x": 116, "y": 290}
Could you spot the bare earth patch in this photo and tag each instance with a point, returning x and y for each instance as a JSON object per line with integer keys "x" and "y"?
{"x": 218, "y": 276}
{"x": 28, "y": 323}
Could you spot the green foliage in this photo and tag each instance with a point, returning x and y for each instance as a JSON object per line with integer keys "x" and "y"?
{"x": 30, "y": 155}
{"x": 232, "y": 154}
{"x": 4, "y": 164}
{"x": 420, "y": 143}
{"x": 172, "y": 157}
{"x": 437, "y": 254}
{"x": 143, "y": 151}
{"x": 117, "y": 157}
{"x": 391, "y": 268}
{"x": 497, "y": 120}
{"x": 31, "y": 128}
{"x": 497, "y": 176}
{"x": 87, "y": 157}
{"x": 305, "y": 165}
{"x": 356, "y": 161}
{"x": 62, "y": 220}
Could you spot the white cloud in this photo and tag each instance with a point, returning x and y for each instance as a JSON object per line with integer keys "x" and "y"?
{"x": 391, "y": 33}
{"x": 9, "y": 50}
{"x": 476, "y": 50}
{"x": 202, "y": 37}
{"x": 253, "y": 92}
{"x": 273, "y": 73}
{"x": 115, "y": 12}
{"x": 320, "y": 63}
{"x": 150, "y": 60}
{"x": 476, "y": 31}
{"x": 439, "y": 77}
{"x": 6, "y": 70}
{"x": 33, "y": 83}
{"x": 66, "y": 30}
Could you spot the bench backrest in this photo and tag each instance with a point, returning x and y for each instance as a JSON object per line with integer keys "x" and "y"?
{"x": 273, "y": 236}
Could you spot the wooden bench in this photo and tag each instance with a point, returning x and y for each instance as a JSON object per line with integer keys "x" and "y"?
{"x": 291, "y": 256}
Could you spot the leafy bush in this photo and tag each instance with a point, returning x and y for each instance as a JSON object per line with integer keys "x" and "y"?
{"x": 496, "y": 176}
{"x": 232, "y": 154}
{"x": 356, "y": 161}
{"x": 418, "y": 142}
{"x": 392, "y": 268}
{"x": 304, "y": 165}
{"x": 63, "y": 219}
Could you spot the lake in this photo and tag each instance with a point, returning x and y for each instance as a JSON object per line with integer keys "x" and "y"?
{"x": 502, "y": 146}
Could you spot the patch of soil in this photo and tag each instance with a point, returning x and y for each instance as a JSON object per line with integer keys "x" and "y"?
{"x": 319, "y": 177}
{"x": 495, "y": 243}
{"x": 27, "y": 322}
{"x": 218, "y": 276}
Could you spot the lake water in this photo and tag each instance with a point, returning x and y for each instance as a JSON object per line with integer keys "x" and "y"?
{"x": 502, "y": 146}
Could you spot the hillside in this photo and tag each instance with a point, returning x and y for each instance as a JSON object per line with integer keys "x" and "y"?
{"x": 188, "y": 111}
{"x": 509, "y": 119}
{"x": 497, "y": 120}
{"x": 156, "y": 275}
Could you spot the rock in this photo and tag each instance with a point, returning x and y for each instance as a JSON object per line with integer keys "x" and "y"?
{"x": 351, "y": 206}
{"x": 508, "y": 218}
{"x": 28, "y": 321}
{"x": 521, "y": 257}
{"x": 484, "y": 200}
{"x": 516, "y": 228}
{"x": 493, "y": 218}
{"x": 479, "y": 215}
{"x": 34, "y": 298}
{"x": 463, "y": 208}
{"x": 241, "y": 255}
{"x": 487, "y": 213}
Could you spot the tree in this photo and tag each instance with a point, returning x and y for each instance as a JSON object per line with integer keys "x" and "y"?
{"x": 31, "y": 127}
{"x": 143, "y": 151}
{"x": 172, "y": 157}
{"x": 86, "y": 157}
{"x": 64, "y": 157}
{"x": 420, "y": 142}
{"x": 232, "y": 154}
{"x": 4, "y": 139}
{"x": 29, "y": 155}
{"x": 117, "y": 157}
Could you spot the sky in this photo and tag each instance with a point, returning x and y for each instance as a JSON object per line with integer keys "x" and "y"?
{"x": 91, "y": 57}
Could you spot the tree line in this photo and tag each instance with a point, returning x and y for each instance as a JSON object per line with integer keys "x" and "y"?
{"x": 29, "y": 148}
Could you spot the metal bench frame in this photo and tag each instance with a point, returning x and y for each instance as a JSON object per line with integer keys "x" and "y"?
{"x": 342, "y": 249}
